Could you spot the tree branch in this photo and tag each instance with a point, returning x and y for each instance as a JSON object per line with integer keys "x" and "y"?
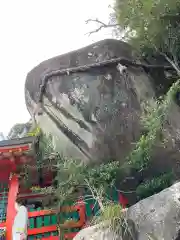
{"x": 173, "y": 63}
{"x": 170, "y": 16}
{"x": 95, "y": 195}
{"x": 102, "y": 25}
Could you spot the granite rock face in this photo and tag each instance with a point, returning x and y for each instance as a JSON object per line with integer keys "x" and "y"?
{"x": 156, "y": 218}
{"x": 93, "y": 114}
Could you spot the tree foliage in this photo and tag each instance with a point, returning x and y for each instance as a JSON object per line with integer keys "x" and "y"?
{"x": 19, "y": 130}
{"x": 150, "y": 23}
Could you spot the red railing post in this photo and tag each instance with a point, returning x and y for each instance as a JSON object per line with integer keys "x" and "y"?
{"x": 11, "y": 212}
{"x": 122, "y": 200}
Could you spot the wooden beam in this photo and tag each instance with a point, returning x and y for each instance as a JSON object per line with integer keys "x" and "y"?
{"x": 41, "y": 230}
{"x": 14, "y": 149}
{"x": 49, "y": 229}
{"x": 62, "y": 209}
{"x": 66, "y": 236}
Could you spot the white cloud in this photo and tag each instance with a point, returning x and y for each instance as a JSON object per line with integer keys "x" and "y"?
{"x": 32, "y": 31}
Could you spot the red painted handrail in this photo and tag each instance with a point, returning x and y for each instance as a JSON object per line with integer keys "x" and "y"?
{"x": 49, "y": 212}
{"x": 41, "y": 230}
{"x": 49, "y": 229}
{"x": 71, "y": 224}
{"x": 54, "y": 228}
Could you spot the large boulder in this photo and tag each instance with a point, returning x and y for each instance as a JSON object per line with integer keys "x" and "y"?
{"x": 92, "y": 114}
{"x": 154, "y": 218}
{"x": 96, "y": 233}
{"x": 95, "y": 114}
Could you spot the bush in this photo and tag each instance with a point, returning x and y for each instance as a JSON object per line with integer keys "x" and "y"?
{"x": 154, "y": 185}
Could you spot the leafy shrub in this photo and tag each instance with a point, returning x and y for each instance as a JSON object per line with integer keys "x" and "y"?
{"x": 154, "y": 185}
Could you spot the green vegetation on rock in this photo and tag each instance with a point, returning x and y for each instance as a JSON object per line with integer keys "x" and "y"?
{"x": 154, "y": 185}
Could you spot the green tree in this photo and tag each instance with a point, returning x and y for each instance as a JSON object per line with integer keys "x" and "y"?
{"x": 19, "y": 130}
{"x": 150, "y": 23}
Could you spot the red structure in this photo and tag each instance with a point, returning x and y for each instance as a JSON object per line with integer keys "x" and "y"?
{"x": 14, "y": 155}
{"x": 10, "y": 157}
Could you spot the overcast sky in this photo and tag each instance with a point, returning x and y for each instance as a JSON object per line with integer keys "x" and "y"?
{"x": 35, "y": 30}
